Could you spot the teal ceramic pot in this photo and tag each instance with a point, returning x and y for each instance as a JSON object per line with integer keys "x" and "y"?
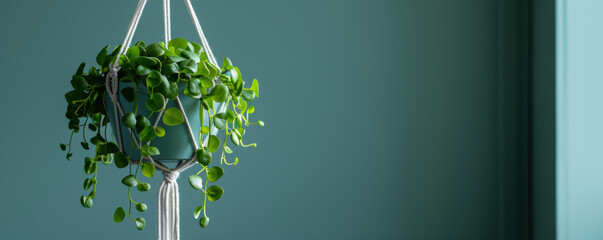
{"x": 176, "y": 144}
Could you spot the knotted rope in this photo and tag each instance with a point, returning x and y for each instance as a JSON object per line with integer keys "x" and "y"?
{"x": 168, "y": 216}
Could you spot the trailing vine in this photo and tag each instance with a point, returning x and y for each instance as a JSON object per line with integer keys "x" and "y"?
{"x": 158, "y": 73}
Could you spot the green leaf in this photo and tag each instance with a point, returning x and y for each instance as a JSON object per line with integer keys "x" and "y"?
{"x": 89, "y": 165}
{"x": 143, "y": 187}
{"x": 238, "y": 87}
{"x": 214, "y": 173}
{"x": 203, "y": 156}
{"x": 214, "y": 193}
{"x": 172, "y": 117}
{"x": 149, "y": 151}
{"x": 83, "y": 201}
{"x": 248, "y": 95}
{"x": 173, "y": 91}
{"x": 176, "y": 59}
{"x": 227, "y": 63}
{"x": 141, "y": 122}
{"x": 250, "y": 109}
{"x": 121, "y": 160}
{"x": 193, "y": 88}
{"x": 196, "y": 182}
{"x": 148, "y": 169}
{"x": 239, "y": 121}
{"x": 220, "y": 120}
{"x": 198, "y": 211}
{"x": 142, "y": 70}
{"x": 213, "y": 69}
{"x": 100, "y": 58}
{"x": 204, "y": 221}
{"x": 85, "y": 145}
{"x": 154, "y": 50}
{"x": 140, "y": 223}
{"x": 129, "y": 120}
{"x": 202, "y": 69}
{"x": 63, "y": 147}
{"x": 171, "y": 68}
{"x": 188, "y": 66}
{"x": 196, "y": 47}
{"x": 159, "y": 131}
{"x": 178, "y": 43}
{"x": 141, "y": 207}
{"x": 80, "y": 69}
{"x": 79, "y": 83}
{"x": 234, "y": 138}
{"x": 147, "y": 134}
{"x": 261, "y": 123}
{"x": 133, "y": 53}
{"x": 148, "y": 62}
{"x": 87, "y": 202}
{"x": 87, "y": 183}
{"x": 107, "y": 148}
{"x": 255, "y": 87}
{"x": 190, "y": 55}
{"x": 204, "y": 130}
{"x": 219, "y": 93}
{"x": 227, "y": 149}
{"x": 213, "y": 143}
{"x": 129, "y": 181}
{"x": 154, "y": 78}
{"x": 230, "y": 116}
{"x": 156, "y": 102}
{"x": 119, "y": 215}
{"x": 206, "y": 82}
{"x": 164, "y": 87}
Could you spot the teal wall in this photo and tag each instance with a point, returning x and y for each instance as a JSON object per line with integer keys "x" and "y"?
{"x": 383, "y": 120}
{"x": 580, "y": 192}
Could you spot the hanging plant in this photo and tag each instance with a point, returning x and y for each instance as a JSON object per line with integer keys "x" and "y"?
{"x": 152, "y": 80}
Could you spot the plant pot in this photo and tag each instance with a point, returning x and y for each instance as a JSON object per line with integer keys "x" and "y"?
{"x": 176, "y": 145}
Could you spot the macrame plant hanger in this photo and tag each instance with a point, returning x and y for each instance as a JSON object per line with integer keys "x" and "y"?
{"x": 168, "y": 203}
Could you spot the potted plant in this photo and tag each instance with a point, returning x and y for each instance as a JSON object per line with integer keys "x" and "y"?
{"x": 168, "y": 91}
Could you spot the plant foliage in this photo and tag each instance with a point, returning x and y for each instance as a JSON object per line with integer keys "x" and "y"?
{"x": 159, "y": 73}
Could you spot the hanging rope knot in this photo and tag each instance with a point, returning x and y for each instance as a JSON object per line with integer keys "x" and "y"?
{"x": 110, "y": 84}
{"x": 171, "y": 176}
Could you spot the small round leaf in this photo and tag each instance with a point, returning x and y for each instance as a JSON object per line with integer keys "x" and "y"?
{"x": 141, "y": 207}
{"x": 219, "y": 93}
{"x": 147, "y": 134}
{"x": 172, "y": 117}
{"x": 203, "y": 156}
{"x": 196, "y": 182}
{"x": 156, "y": 102}
{"x": 143, "y": 187}
{"x": 140, "y": 223}
{"x": 214, "y": 193}
{"x": 121, "y": 160}
{"x": 129, "y": 120}
{"x": 215, "y": 173}
{"x": 213, "y": 143}
{"x": 129, "y": 181}
{"x": 119, "y": 215}
{"x": 148, "y": 169}
{"x": 204, "y": 221}
{"x": 159, "y": 131}
{"x": 198, "y": 211}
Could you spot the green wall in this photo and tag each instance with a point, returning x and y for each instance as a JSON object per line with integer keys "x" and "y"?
{"x": 384, "y": 120}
